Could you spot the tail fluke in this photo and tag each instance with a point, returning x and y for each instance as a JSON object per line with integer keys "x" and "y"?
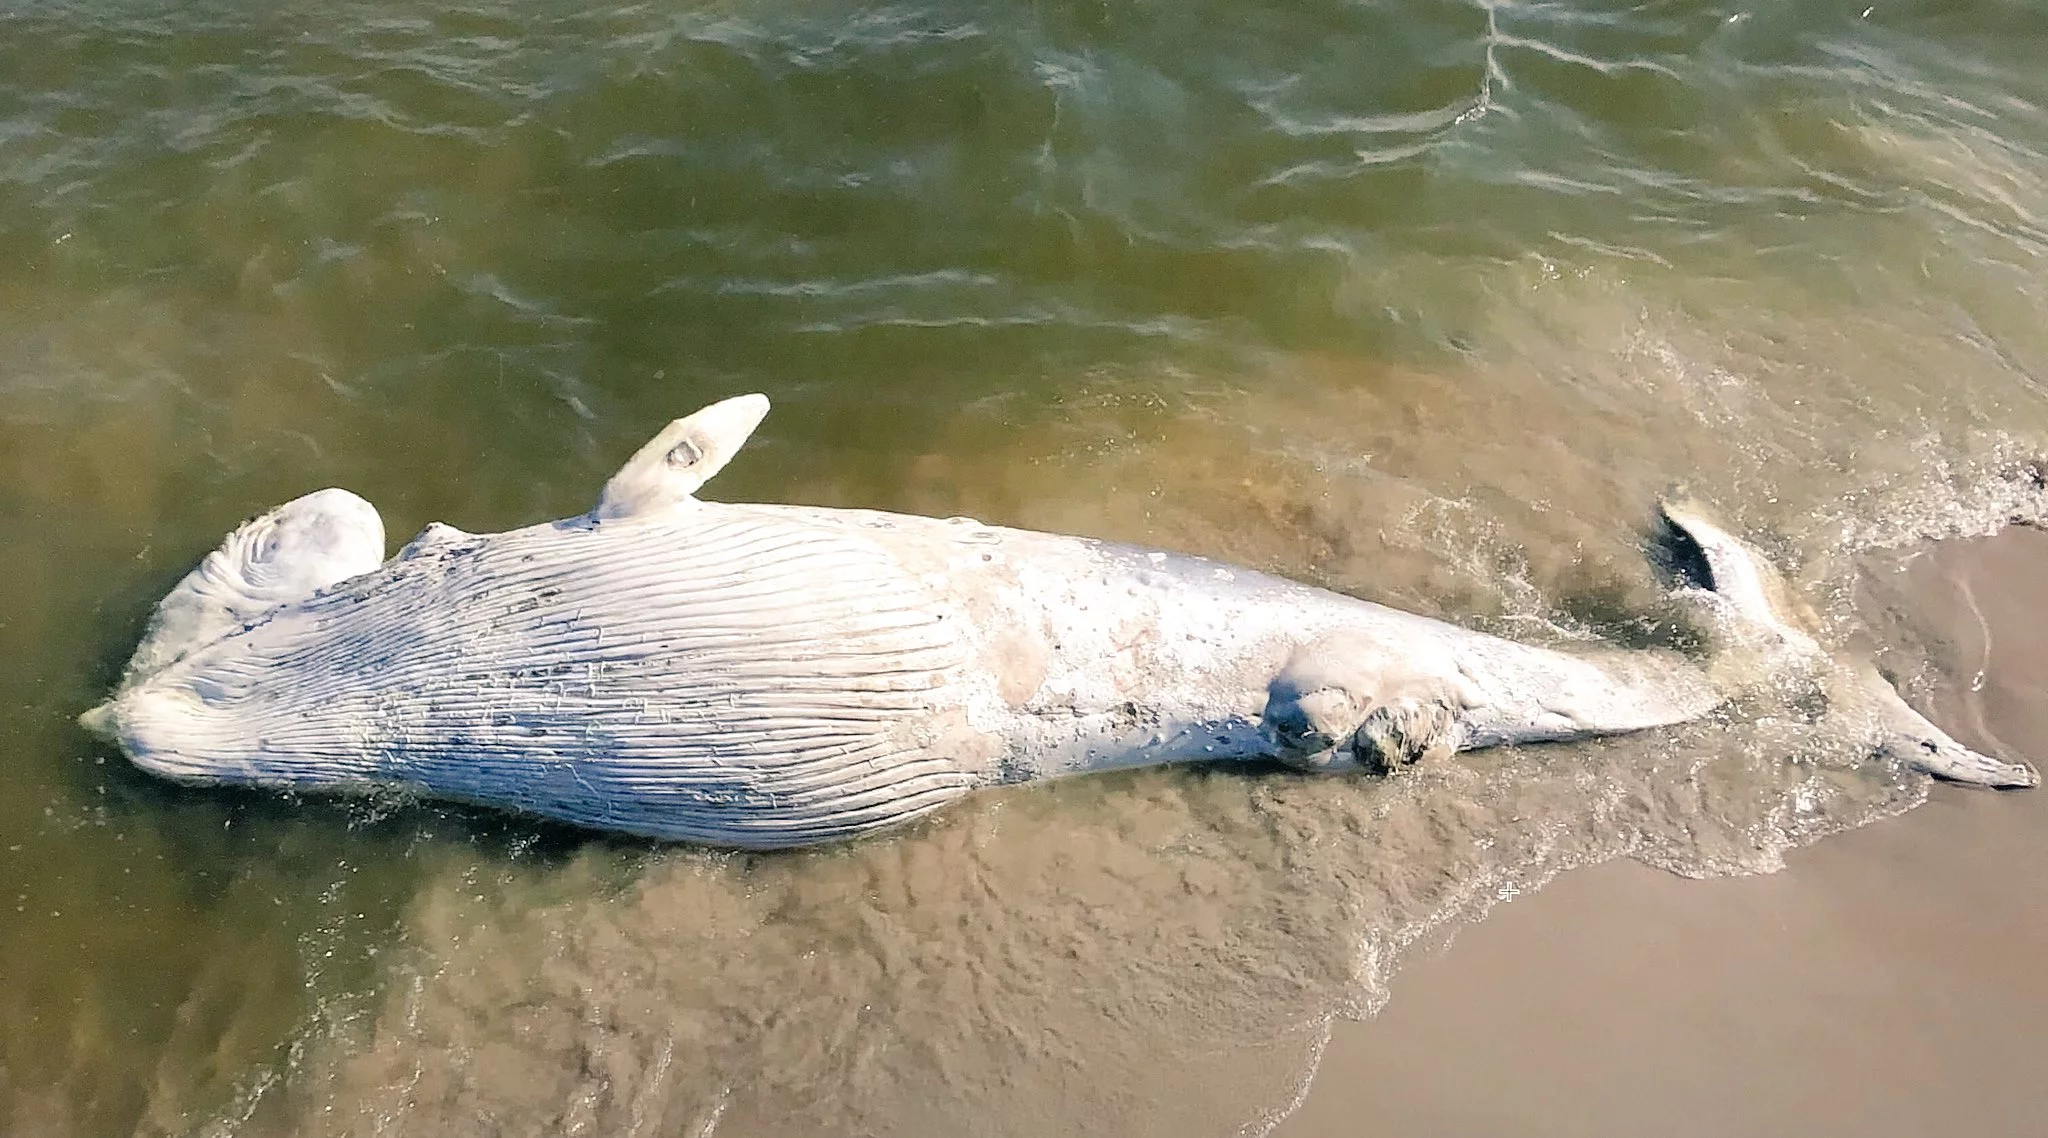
{"x": 1754, "y": 600}
{"x": 1738, "y": 581}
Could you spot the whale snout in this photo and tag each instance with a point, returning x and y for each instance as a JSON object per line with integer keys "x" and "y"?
{"x": 165, "y": 730}
{"x": 103, "y": 721}
{"x": 135, "y": 720}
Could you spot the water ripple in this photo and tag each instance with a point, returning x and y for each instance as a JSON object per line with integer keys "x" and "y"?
{"x": 1423, "y": 298}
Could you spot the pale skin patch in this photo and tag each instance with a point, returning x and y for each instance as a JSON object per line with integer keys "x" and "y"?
{"x": 949, "y": 733}
{"x": 1020, "y": 661}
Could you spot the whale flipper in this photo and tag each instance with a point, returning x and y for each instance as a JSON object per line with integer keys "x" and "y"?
{"x": 683, "y": 457}
{"x": 282, "y": 555}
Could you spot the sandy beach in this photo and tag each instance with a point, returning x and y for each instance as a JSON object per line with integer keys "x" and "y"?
{"x": 1891, "y": 981}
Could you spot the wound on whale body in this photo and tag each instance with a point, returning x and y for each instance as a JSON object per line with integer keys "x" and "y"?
{"x": 765, "y": 676}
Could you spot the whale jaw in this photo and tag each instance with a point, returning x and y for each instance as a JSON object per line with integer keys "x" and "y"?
{"x": 103, "y": 722}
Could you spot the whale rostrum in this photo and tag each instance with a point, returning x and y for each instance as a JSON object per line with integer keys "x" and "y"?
{"x": 765, "y": 676}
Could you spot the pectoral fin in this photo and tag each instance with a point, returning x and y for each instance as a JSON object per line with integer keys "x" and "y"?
{"x": 669, "y": 469}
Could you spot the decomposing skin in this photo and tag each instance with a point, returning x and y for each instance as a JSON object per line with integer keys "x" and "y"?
{"x": 765, "y": 676}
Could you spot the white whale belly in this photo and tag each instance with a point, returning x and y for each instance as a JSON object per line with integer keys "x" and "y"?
{"x": 731, "y": 676}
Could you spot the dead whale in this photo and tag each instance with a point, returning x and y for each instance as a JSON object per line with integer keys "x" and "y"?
{"x": 766, "y": 676}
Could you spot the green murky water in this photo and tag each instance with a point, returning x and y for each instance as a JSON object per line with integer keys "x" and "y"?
{"x": 1425, "y": 301}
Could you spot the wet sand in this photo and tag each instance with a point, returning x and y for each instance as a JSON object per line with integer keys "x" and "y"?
{"x": 1891, "y": 981}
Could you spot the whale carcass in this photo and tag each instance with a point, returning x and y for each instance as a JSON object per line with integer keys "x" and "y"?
{"x": 766, "y": 676}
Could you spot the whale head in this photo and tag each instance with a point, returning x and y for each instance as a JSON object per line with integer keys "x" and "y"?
{"x": 284, "y": 555}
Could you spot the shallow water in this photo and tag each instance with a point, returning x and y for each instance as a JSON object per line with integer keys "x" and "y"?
{"x": 1422, "y": 301}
